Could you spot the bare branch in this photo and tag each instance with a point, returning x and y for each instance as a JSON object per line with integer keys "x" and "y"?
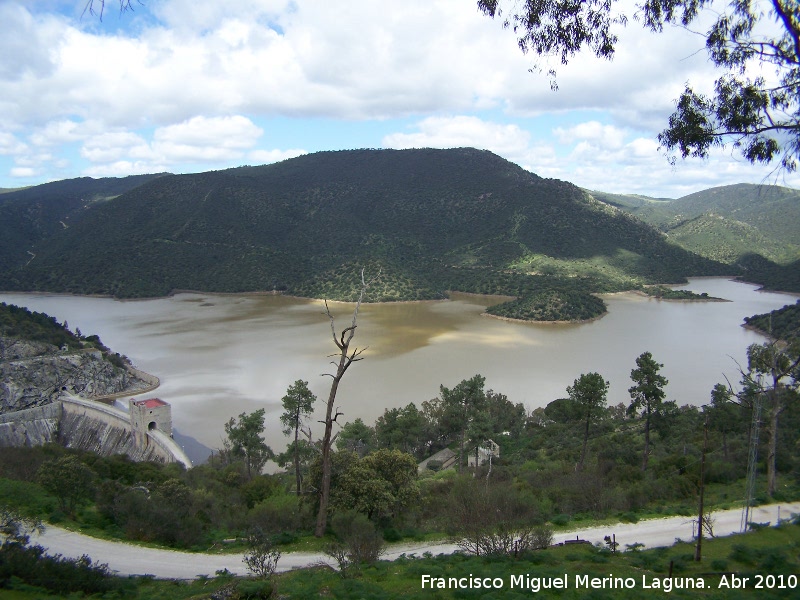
{"x": 124, "y": 5}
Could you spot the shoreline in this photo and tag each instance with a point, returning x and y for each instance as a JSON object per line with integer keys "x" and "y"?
{"x": 534, "y": 322}
{"x": 501, "y": 298}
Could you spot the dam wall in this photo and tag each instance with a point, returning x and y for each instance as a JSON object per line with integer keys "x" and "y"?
{"x": 31, "y": 427}
{"x": 75, "y": 422}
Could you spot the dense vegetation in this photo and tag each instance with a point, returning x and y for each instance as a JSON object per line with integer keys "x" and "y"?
{"x": 783, "y": 323}
{"x": 422, "y": 222}
{"x": 31, "y": 216}
{"x": 665, "y": 293}
{"x": 753, "y": 227}
{"x": 19, "y": 323}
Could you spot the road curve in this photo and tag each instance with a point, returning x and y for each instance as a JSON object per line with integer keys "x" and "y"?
{"x": 129, "y": 559}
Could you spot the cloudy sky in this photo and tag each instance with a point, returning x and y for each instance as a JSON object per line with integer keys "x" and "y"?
{"x": 195, "y": 85}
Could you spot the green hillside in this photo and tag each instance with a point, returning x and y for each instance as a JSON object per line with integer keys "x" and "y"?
{"x": 30, "y": 216}
{"x": 628, "y": 201}
{"x": 783, "y": 323}
{"x": 756, "y": 227}
{"x": 423, "y": 221}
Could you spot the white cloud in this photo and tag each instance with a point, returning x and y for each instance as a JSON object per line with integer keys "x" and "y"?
{"x": 9, "y": 144}
{"x": 508, "y": 141}
{"x": 64, "y": 131}
{"x": 206, "y": 139}
{"x": 157, "y": 92}
{"x": 607, "y": 136}
{"x": 23, "y": 172}
{"x": 267, "y": 157}
{"x": 460, "y": 131}
{"x": 123, "y": 168}
{"x": 112, "y": 146}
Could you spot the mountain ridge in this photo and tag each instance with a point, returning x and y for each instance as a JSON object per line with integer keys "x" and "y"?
{"x": 427, "y": 220}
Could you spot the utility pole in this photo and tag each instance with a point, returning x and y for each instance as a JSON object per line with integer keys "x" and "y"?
{"x": 752, "y": 462}
{"x": 698, "y": 548}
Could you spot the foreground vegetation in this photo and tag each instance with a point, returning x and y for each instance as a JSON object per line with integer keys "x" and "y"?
{"x": 575, "y": 461}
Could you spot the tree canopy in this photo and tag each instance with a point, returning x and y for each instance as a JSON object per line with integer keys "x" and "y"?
{"x": 647, "y": 395}
{"x": 245, "y": 442}
{"x": 757, "y": 114}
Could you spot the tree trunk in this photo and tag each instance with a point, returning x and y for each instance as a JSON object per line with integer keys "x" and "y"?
{"x": 646, "y": 453}
{"x": 297, "y": 457}
{"x": 772, "y": 450}
{"x": 585, "y": 443}
{"x": 346, "y": 358}
{"x": 325, "y": 493}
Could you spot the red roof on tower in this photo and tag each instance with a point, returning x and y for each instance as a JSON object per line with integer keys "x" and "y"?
{"x": 150, "y": 403}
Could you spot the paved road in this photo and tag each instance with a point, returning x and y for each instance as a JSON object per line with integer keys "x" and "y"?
{"x": 128, "y": 559}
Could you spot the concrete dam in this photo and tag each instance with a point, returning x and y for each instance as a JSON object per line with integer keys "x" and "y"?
{"x": 143, "y": 434}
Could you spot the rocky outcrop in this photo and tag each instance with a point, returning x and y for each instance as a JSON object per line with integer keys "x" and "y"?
{"x": 35, "y": 374}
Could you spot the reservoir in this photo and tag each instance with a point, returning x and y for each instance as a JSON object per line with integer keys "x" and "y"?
{"x": 221, "y": 355}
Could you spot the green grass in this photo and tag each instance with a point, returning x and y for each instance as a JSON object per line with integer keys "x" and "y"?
{"x": 771, "y": 551}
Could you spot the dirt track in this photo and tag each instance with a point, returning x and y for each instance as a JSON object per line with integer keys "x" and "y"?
{"x": 128, "y": 559}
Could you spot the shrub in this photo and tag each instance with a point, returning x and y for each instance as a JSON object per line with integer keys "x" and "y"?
{"x": 248, "y": 589}
{"x": 358, "y": 542}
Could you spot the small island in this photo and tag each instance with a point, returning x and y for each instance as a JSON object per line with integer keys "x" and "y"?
{"x": 664, "y": 293}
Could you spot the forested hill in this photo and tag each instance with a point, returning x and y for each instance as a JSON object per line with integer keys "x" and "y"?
{"x": 427, "y": 220}
{"x": 30, "y": 216}
{"x": 755, "y": 227}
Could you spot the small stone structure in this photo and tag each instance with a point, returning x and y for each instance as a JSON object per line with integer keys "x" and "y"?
{"x": 147, "y": 415}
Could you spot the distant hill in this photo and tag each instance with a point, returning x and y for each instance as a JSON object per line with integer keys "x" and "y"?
{"x": 627, "y": 201}
{"x": 29, "y": 216}
{"x": 427, "y": 221}
{"x": 755, "y": 227}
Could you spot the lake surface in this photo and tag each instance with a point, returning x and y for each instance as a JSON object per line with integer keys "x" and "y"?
{"x": 218, "y": 356}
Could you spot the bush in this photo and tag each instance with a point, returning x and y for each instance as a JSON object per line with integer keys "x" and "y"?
{"x": 55, "y": 573}
{"x": 719, "y": 564}
{"x": 743, "y": 554}
{"x": 248, "y": 589}
{"x": 390, "y": 534}
{"x": 434, "y": 465}
{"x": 261, "y": 557}
{"x": 358, "y": 542}
{"x": 278, "y": 514}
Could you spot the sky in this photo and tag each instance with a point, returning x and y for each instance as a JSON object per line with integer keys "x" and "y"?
{"x": 196, "y": 85}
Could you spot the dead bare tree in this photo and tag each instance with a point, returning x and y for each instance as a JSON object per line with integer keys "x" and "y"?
{"x": 346, "y": 358}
